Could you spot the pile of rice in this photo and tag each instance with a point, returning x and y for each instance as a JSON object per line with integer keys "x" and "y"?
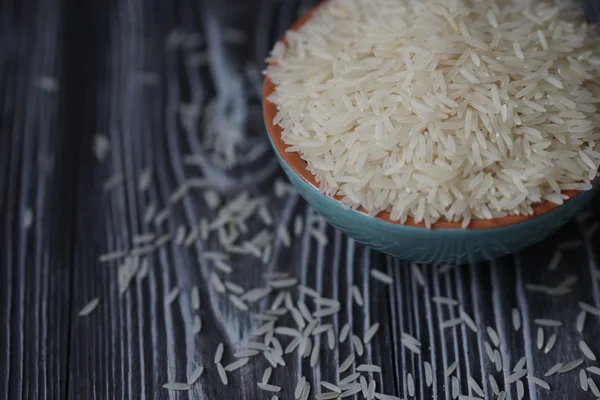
{"x": 441, "y": 109}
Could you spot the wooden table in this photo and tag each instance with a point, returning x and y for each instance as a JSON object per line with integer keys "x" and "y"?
{"x": 123, "y": 68}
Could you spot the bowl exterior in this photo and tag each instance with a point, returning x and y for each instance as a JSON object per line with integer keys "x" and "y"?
{"x": 437, "y": 245}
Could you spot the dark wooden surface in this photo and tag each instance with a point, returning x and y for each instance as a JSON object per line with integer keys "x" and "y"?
{"x": 104, "y": 56}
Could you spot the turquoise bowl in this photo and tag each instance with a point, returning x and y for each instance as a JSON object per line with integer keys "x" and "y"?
{"x": 436, "y": 246}
{"x": 446, "y": 242}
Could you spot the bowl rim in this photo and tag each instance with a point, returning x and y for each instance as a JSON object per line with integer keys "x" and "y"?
{"x": 299, "y": 166}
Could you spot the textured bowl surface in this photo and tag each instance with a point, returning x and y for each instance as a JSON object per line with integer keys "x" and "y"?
{"x": 446, "y": 242}
{"x": 436, "y": 245}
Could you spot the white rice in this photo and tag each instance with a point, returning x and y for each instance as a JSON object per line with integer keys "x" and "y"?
{"x": 331, "y": 386}
{"x": 330, "y": 339}
{"x": 299, "y": 388}
{"x": 257, "y": 346}
{"x": 114, "y": 182}
{"x": 266, "y": 375}
{"x": 237, "y": 364}
{"x": 234, "y": 287}
{"x": 411, "y": 385}
{"x": 217, "y": 283}
{"x": 321, "y": 328}
{"x": 375, "y": 144}
{"x": 451, "y": 368}
{"x": 468, "y": 321}
{"x": 428, "y": 373}
{"x": 554, "y": 369}
{"x": 305, "y": 391}
{"x": 347, "y": 363}
{"x": 494, "y": 384}
{"x": 327, "y": 395}
{"x": 350, "y": 378}
{"x": 580, "y": 321}
{"x": 211, "y": 198}
{"x": 176, "y": 386}
{"x": 357, "y": 296}
{"x": 451, "y": 323}
{"x": 516, "y": 319}
{"x": 283, "y": 283}
{"x": 455, "y": 387}
{"x": 571, "y": 366}
{"x": 162, "y": 216}
{"x": 219, "y": 353}
{"x": 515, "y": 376}
{"x": 319, "y": 236}
{"x": 149, "y": 213}
{"x": 222, "y": 374}
{"x": 371, "y": 332}
{"x": 493, "y": 336}
{"x": 583, "y": 380}
{"x": 358, "y": 345}
{"x": 550, "y": 343}
{"x": 418, "y": 274}
{"x": 585, "y": 349}
{"x": 537, "y": 381}
{"x": 254, "y": 295}
{"x": 284, "y": 236}
{"x": 269, "y": 388}
{"x": 593, "y": 370}
{"x": 593, "y": 387}
{"x": 246, "y": 353}
{"x": 113, "y": 256}
{"x": 314, "y": 356}
{"x": 309, "y": 291}
{"x": 540, "y": 338}
{"x": 498, "y": 360}
{"x": 172, "y": 295}
{"x": 265, "y": 215}
{"x": 179, "y": 193}
{"x": 344, "y": 332}
{"x": 364, "y": 386}
{"x": 89, "y": 307}
{"x": 143, "y": 239}
{"x": 589, "y": 308}
{"x": 101, "y": 146}
{"x": 368, "y": 368}
{"x": 144, "y": 269}
{"x": 298, "y": 225}
{"x": 239, "y": 304}
{"x": 520, "y": 364}
{"x": 475, "y": 386}
{"x": 194, "y": 376}
{"x": 444, "y": 300}
{"x": 27, "y": 218}
{"x": 520, "y": 390}
{"x": 326, "y": 312}
{"x": 381, "y": 277}
{"x": 555, "y": 261}
{"x": 195, "y": 298}
{"x": 444, "y": 269}
{"x": 547, "y": 322}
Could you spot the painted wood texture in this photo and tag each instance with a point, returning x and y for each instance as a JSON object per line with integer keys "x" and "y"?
{"x": 69, "y": 71}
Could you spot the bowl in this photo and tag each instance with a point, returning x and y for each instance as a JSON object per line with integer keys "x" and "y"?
{"x": 445, "y": 242}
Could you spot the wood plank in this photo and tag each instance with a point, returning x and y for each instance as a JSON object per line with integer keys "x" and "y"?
{"x": 134, "y": 343}
{"x": 35, "y": 179}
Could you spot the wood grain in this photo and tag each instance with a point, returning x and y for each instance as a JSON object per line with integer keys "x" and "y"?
{"x": 103, "y": 54}
{"x": 35, "y": 174}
